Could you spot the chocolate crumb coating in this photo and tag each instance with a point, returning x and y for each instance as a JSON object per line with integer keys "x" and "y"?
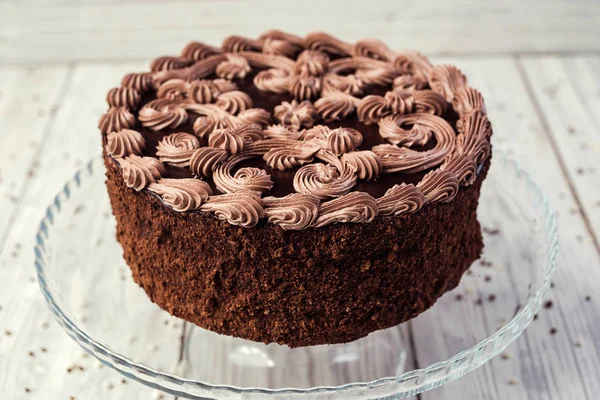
{"x": 329, "y": 285}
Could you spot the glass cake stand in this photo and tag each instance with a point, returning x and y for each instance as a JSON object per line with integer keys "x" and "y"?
{"x": 90, "y": 291}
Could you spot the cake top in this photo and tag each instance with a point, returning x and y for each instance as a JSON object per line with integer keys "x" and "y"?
{"x": 301, "y": 132}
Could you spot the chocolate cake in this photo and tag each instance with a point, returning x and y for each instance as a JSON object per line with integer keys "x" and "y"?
{"x": 296, "y": 190}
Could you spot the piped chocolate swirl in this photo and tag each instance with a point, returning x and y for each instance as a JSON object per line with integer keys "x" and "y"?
{"x": 301, "y": 132}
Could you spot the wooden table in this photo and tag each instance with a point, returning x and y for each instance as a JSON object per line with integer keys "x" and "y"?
{"x": 537, "y": 64}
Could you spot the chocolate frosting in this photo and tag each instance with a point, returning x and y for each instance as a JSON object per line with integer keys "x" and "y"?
{"x": 399, "y": 199}
{"x": 372, "y": 48}
{"x": 243, "y": 208}
{"x": 168, "y": 63}
{"x": 206, "y": 160}
{"x": 327, "y": 43}
{"x": 356, "y": 207}
{"x": 202, "y": 91}
{"x": 182, "y": 194}
{"x": 296, "y": 115}
{"x": 467, "y": 100}
{"x": 304, "y": 132}
{"x": 124, "y": 143}
{"x": 198, "y": 51}
{"x": 281, "y": 43}
{"x": 295, "y": 211}
{"x": 324, "y": 180}
{"x": 226, "y": 139}
{"x": 366, "y": 164}
{"x": 234, "y": 102}
{"x": 446, "y": 80}
{"x": 173, "y": 89}
{"x": 142, "y": 82}
{"x": 177, "y": 149}
{"x": 234, "y": 67}
{"x": 161, "y": 114}
{"x": 395, "y": 158}
{"x": 139, "y": 172}
{"x": 115, "y": 119}
{"x": 246, "y": 178}
{"x": 123, "y": 96}
{"x": 439, "y": 185}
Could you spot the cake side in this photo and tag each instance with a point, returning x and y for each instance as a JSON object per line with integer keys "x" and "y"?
{"x": 329, "y": 285}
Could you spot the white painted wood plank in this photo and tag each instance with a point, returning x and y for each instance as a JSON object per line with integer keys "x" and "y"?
{"x": 100, "y": 30}
{"x": 543, "y": 366}
{"x": 51, "y": 370}
{"x": 540, "y": 365}
{"x": 28, "y": 100}
{"x": 568, "y": 92}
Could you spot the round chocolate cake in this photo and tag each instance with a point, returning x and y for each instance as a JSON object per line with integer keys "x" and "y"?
{"x": 296, "y": 190}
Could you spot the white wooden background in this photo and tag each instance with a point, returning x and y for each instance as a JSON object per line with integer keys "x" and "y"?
{"x": 537, "y": 63}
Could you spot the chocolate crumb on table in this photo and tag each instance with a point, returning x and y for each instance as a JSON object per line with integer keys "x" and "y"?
{"x": 491, "y": 232}
{"x": 485, "y": 263}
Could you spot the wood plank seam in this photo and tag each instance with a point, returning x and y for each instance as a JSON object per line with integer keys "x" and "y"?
{"x": 412, "y": 346}
{"x": 37, "y": 152}
{"x": 542, "y": 117}
{"x": 432, "y": 54}
{"x": 413, "y": 350}
{"x": 183, "y": 342}
{"x": 182, "y": 348}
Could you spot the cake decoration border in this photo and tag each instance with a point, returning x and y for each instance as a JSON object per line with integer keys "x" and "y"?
{"x": 326, "y": 81}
